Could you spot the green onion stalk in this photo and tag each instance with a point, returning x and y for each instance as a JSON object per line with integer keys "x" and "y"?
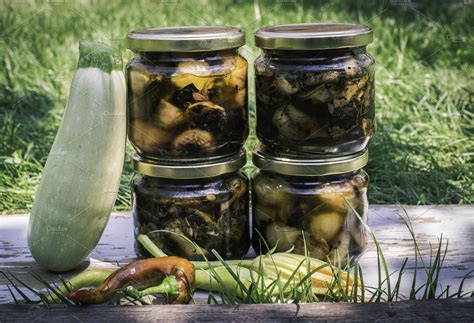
{"x": 269, "y": 275}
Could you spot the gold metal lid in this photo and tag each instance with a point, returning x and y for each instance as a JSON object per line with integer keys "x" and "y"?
{"x": 319, "y": 166}
{"x": 313, "y": 36}
{"x": 185, "y": 170}
{"x": 185, "y": 39}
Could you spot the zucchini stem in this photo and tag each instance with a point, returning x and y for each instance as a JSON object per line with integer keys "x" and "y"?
{"x": 169, "y": 287}
{"x": 150, "y": 246}
{"x": 204, "y": 265}
{"x": 88, "y": 278}
{"x": 156, "y": 252}
{"x": 92, "y": 54}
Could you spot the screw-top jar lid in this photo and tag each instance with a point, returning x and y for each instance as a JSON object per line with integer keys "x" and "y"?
{"x": 313, "y": 36}
{"x": 183, "y": 170}
{"x": 185, "y": 39}
{"x": 318, "y": 166}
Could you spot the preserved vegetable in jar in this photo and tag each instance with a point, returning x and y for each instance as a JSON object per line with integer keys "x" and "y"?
{"x": 318, "y": 206}
{"x": 187, "y": 92}
{"x": 205, "y": 203}
{"x": 315, "y": 88}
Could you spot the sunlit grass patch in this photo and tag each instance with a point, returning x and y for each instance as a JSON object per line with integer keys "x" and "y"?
{"x": 422, "y": 151}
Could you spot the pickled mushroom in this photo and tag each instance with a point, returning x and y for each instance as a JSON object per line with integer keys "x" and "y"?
{"x": 139, "y": 79}
{"x": 238, "y": 187}
{"x": 322, "y": 93}
{"x": 187, "y": 249}
{"x": 240, "y": 71}
{"x": 194, "y": 139}
{"x": 194, "y": 211}
{"x": 271, "y": 99}
{"x": 186, "y": 96}
{"x": 195, "y": 67}
{"x": 201, "y": 217}
{"x": 326, "y": 225}
{"x": 192, "y": 227}
{"x": 294, "y": 124}
{"x": 351, "y": 90}
{"x": 333, "y": 197}
{"x": 313, "y": 79}
{"x": 264, "y": 213}
{"x": 147, "y": 137}
{"x": 316, "y": 207}
{"x": 192, "y": 72}
{"x": 239, "y": 100}
{"x": 206, "y": 115}
{"x": 281, "y": 212}
{"x": 316, "y": 246}
{"x": 315, "y": 106}
{"x": 279, "y": 235}
{"x": 272, "y": 191}
{"x": 168, "y": 116}
{"x": 285, "y": 87}
{"x": 230, "y": 91}
{"x": 199, "y": 106}
{"x": 237, "y": 93}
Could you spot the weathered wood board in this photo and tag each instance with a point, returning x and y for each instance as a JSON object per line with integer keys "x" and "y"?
{"x": 456, "y": 223}
{"x": 452, "y": 310}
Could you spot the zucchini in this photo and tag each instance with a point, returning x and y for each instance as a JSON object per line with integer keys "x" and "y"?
{"x": 82, "y": 174}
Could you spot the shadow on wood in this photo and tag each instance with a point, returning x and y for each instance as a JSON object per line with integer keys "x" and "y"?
{"x": 453, "y": 310}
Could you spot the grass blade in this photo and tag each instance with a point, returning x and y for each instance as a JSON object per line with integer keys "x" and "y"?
{"x": 396, "y": 289}
{"x": 462, "y": 283}
{"x": 19, "y": 291}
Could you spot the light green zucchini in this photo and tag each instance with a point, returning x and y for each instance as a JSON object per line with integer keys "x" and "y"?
{"x": 82, "y": 174}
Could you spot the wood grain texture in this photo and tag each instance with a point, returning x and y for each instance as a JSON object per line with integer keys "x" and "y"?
{"x": 453, "y": 310}
{"x": 456, "y": 223}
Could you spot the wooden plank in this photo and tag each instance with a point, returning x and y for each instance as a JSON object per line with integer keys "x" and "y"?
{"x": 453, "y": 222}
{"x": 116, "y": 245}
{"x": 452, "y": 310}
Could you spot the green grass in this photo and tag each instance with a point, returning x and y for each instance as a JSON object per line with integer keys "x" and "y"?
{"x": 423, "y": 149}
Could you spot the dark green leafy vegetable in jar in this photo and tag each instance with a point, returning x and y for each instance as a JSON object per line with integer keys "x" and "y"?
{"x": 205, "y": 203}
{"x": 187, "y": 92}
{"x": 300, "y": 203}
{"x": 315, "y": 88}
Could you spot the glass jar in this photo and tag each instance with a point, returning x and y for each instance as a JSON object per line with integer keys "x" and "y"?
{"x": 301, "y": 203}
{"x": 187, "y": 92}
{"x": 205, "y": 203}
{"x": 315, "y": 88}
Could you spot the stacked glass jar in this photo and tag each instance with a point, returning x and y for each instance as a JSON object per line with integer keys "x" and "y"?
{"x": 188, "y": 121}
{"x": 315, "y": 117}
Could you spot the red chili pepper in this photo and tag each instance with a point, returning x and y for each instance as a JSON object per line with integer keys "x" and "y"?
{"x": 143, "y": 274}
